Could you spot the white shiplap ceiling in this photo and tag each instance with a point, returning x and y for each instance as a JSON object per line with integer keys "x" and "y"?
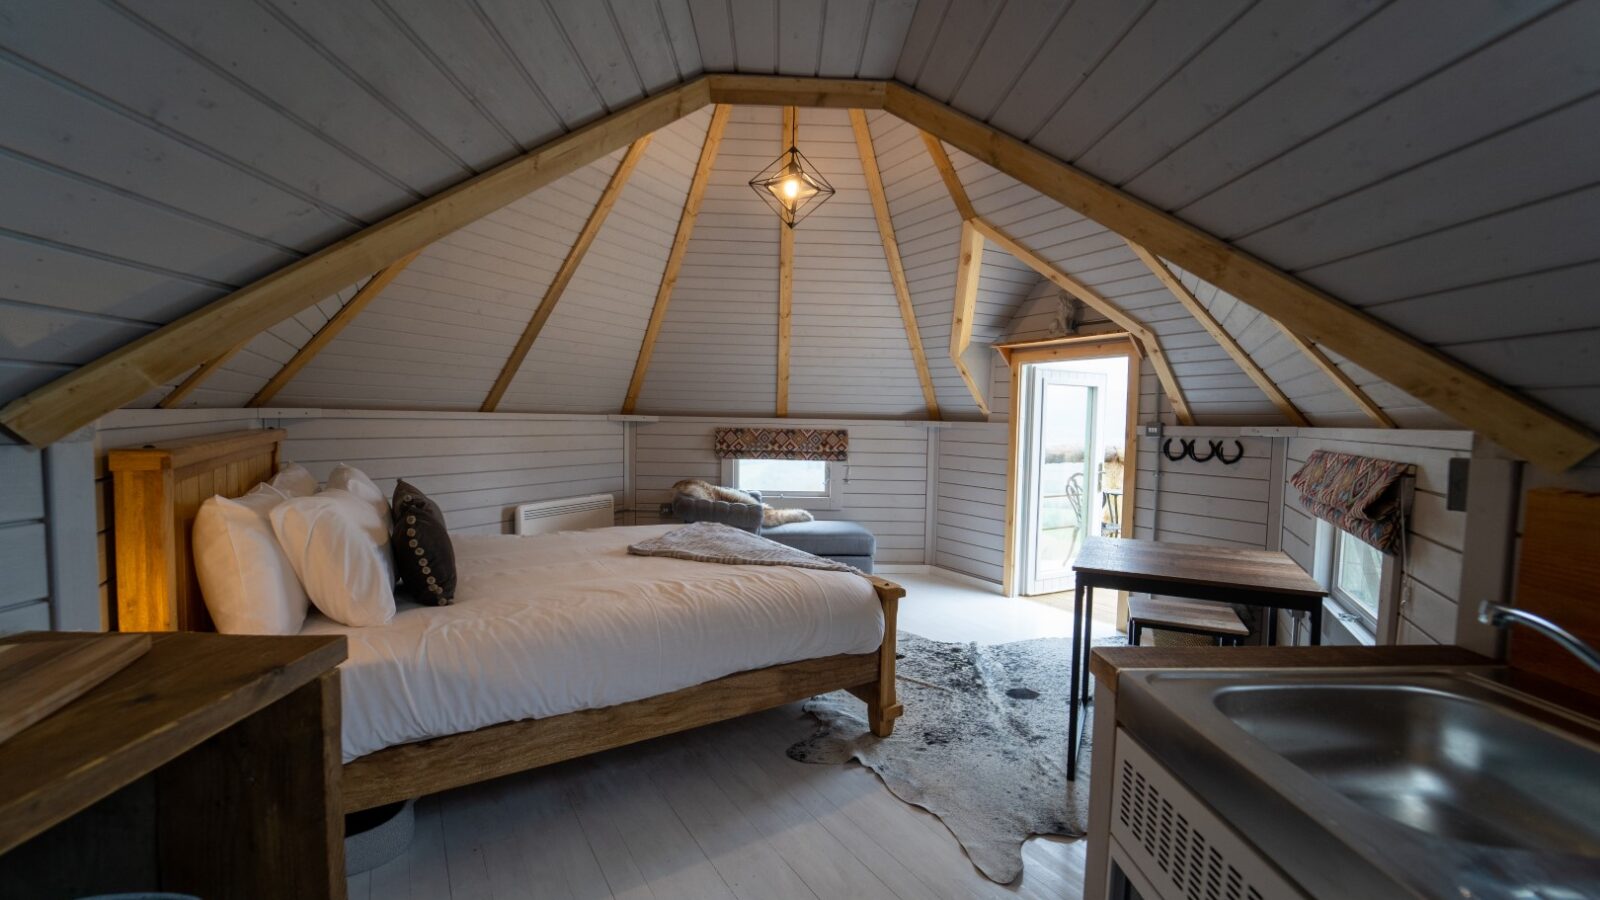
{"x": 1431, "y": 162}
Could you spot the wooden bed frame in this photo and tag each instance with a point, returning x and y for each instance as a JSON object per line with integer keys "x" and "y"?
{"x": 157, "y": 489}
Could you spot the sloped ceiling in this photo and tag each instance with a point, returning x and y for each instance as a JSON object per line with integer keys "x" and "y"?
{"x": 1430, "y": 162}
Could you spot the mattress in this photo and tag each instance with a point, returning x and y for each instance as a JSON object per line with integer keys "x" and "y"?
{"x": 550, "y": 624}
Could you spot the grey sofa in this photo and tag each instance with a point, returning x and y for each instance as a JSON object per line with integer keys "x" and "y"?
{"x": 846, "y": 542}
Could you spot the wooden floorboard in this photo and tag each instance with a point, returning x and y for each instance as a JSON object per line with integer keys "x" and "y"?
{"x": 720, "y": 813}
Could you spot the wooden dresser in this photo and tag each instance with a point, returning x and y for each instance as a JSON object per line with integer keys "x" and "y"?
{"x": 209, "y": 766}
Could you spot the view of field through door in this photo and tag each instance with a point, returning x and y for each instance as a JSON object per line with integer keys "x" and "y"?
{"x": 1072, "y": 438}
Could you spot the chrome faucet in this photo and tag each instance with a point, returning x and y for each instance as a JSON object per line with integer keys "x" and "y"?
{"x": 1501, "y": 616}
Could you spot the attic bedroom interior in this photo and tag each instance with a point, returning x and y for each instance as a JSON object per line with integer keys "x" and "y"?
{"x": 744, "y": 449}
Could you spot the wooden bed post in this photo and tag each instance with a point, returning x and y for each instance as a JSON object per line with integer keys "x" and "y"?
{"x": 883, "y": 704}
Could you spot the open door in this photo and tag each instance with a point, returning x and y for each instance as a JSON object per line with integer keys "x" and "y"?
{"x": 1061, "y": 483}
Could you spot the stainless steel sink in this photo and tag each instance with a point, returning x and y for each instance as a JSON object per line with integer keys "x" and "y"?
{"x": 1385, "y": 783}
{"x": 1430, "y": 757}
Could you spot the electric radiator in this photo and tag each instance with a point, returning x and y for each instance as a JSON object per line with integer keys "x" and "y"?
{"x": 565, "y": 514}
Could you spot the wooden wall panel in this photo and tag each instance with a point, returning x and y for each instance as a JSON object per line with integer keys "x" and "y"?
{"x": 717, "y": 350}
{"x": 584, "y": 357}
{"x": 848, "y": 352}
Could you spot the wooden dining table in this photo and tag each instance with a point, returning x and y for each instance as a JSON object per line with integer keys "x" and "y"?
{"x": 1265, "y": 578}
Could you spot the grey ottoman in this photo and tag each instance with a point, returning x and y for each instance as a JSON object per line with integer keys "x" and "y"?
{"x": 846, "y": 542}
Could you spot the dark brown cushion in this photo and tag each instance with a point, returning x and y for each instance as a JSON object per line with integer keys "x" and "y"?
{"x": 424, "y": 557}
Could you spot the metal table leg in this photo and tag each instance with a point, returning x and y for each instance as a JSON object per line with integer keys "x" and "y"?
{"x": 1074, "y": 701}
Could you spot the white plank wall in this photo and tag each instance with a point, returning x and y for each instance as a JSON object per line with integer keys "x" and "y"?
{"x": 1431, "y": 589}
{"x": 971, "y": 514}
{"x": 1204, "y": 503}
{"x": 717, "y": 351}
{"x": 25, "y": 592}
{"x": 885, "y": 486}
{"x": 850, "y": 356}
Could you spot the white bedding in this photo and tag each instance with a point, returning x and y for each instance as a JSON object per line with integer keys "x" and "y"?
{"x": 554, "y": 623}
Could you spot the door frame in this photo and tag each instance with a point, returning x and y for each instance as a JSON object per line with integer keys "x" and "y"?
{"x": 1031, "y": 508}
{"x": 1055, "y": 350}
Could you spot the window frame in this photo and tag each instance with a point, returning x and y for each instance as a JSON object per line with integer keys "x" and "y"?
{"x": 833, "y": 498}
{"x": 1379, "y": 629}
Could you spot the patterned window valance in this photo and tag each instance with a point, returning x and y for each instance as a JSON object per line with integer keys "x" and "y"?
{"x": 828, "y": 444}
{"x": 1359, "y": 494}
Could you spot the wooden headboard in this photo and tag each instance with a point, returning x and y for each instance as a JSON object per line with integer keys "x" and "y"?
{"x": 156, "y": 491}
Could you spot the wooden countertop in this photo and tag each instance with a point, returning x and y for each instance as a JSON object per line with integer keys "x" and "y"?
{"x": 1107, "y": 662}
{"x": 187, "y": 688}
{"x": 1194, "y": 564}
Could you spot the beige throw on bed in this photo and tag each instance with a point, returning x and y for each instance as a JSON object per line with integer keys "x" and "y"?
{"x": 713, "y": 542}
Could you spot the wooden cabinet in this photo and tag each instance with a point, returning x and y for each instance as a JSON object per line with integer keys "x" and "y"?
{"x": 208, "y": 766}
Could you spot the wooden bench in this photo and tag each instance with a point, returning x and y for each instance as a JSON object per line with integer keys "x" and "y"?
{"x": 1202, "y": 617}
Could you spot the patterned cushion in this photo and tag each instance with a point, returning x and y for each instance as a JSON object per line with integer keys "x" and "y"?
{"x": 424, "y": 557}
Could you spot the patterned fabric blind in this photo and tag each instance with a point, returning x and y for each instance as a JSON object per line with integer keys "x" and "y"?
{"x": 829, "y": 444}
{"x": 1357, "y": 493}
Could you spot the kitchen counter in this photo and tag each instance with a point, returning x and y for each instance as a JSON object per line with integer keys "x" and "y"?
{"x": 1108, "y": 662}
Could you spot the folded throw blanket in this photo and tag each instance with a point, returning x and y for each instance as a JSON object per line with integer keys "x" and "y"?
{"x": 714, "y": 542}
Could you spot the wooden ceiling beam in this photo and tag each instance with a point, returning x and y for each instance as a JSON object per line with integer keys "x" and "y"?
{"x": 968, "y": 267}
{"x": 1512, "y": 421}
{"x": 1143, "y": 337}
{"x": 1198, "y": 310}
{"x": 947, "y": 174}
{"x": 891, "y": 255}
{"x": 331, "y": 328}
{"x": 83, "y": 395}
{"x": 569, "y": 268}
{"x": 969, "y": 270}
{"x": 791, "y": 130}
{"x": 680, "y": 248}
{"x": 1338, "y": 377}
{"x": 784, "y": 90}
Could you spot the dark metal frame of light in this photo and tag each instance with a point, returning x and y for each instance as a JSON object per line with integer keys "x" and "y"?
{"x": 765, "y": 176}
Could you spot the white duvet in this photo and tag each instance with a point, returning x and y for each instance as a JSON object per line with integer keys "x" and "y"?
{"x": 555, "y": 623}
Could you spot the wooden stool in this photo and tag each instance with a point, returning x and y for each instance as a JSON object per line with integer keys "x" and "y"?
{"x": 1202, "y": 617}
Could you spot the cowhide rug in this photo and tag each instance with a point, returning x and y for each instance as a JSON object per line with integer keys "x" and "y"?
{"x": 982, "y": 743}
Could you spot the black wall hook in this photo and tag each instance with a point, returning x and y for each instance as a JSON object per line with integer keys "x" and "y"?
{"x": 1197, "y": 457}
{"x": 1185, "y": 448}
{"x": 1216, "y": 450}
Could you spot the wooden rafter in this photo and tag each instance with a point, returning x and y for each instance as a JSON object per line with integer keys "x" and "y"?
{"x": 1338, "y": 377}
{"x": 331, "y": 328}
{"x": 83, "y": 395}
{"x": 947, "y": 173}
{"x": 968, "y": 266}
{"x": 791, "y": 130}
{"x": 1219, "y": 334}
{"x": 680, "y": 247}
{"x": 569, "y": 268}
{"x": 786, "y": 90}
{"x": 891, "y": 255}
{"x": 1146, "y": 338}
{"x": 969, "y": 270}
{"x": 204, "y": 371}
{"x": 1450, "y": 387}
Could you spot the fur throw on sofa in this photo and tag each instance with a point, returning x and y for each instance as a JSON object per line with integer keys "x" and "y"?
{"x": 705, "y": 490}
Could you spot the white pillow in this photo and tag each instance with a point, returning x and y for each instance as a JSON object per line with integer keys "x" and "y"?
{"x": 352, "y": 479}
{"x": 293, "y": 480}
{"x": 339, "y": 546}
{"x": 249, "y": 586}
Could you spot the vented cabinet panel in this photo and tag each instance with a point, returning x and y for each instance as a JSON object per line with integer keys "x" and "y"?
{"x": 1177, "y": 844}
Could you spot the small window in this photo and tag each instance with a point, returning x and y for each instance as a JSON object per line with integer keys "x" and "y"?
{"x": 1357, "y": 576}
{"x": 807, "y": 484}
{"x": 782, "y": 477}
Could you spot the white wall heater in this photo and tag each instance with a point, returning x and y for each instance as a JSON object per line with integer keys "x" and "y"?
{"x": 565, "y": 514}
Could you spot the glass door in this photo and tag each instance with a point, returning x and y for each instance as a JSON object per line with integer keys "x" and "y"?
{"x": 1061, "y": 473}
